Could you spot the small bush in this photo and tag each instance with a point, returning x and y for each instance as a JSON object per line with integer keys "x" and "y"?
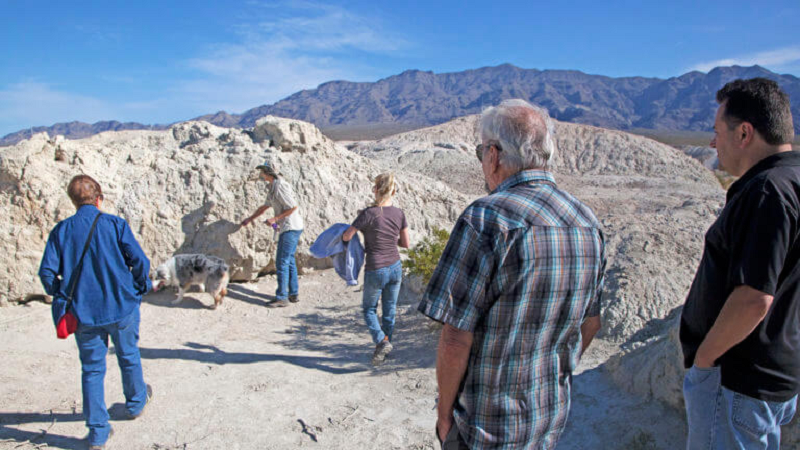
{"x": 423, "y": 257}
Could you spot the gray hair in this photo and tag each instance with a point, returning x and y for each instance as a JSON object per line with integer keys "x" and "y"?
{"x": 525, "y": 133}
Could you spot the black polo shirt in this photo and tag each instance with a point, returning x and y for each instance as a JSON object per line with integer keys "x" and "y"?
{"x": 754, "y": 243}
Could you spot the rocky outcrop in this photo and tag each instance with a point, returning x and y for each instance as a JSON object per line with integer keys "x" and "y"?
{"x": 653, "y": 369}
{"x": 706, "y": 155}
{"x": 185, "y": 190}
{"x": 653, "y": 201}
{"x": 655, "y": 204}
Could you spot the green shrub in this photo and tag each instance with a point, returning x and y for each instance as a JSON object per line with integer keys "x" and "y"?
{"x": 725, "y": 180}
{"x": 423, "y": 257}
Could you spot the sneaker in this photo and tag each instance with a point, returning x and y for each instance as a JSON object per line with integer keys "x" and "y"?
{"x": 279, "y": 304}
{"x": 381, "y": 350}
{"x": 103, "y": 445}
{"x": 294, "y": 298}
{"x": 146, "y": 402}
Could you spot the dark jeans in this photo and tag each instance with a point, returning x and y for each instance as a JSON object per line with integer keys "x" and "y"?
{"x": 93, "y": 348}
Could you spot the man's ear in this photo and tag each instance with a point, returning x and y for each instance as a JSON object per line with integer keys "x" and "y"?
{"x": 495, "y": 159}
{"x": 745, "y": 133}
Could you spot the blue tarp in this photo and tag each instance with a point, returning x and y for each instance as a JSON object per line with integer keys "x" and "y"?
{"x": 348, "y": 257}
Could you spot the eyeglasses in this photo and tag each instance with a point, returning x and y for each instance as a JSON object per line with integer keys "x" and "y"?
{"x": 480, "y": 148}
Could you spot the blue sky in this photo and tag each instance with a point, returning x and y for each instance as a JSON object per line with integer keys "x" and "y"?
{"x": 165, "y": 61}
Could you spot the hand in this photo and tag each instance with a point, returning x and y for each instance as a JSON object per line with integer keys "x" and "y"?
{"x": 246, "y": 222}
{"x": 270, "y": 222}
{"x": 702, "y": 362}
{"x": 443, "y": 427}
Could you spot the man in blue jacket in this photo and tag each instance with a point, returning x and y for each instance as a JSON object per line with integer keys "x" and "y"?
{"x": 106, "y": 300}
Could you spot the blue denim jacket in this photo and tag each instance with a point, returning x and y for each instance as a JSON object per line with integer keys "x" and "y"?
{"x": 115, "y": 270}
{"x": 347, "y": 258}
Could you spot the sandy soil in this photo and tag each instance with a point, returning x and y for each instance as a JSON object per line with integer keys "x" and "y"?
{"x": 246, "y": 376}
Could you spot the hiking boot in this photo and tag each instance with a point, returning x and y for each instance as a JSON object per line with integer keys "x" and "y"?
{"x": 146, "y": 402}
{"x": 294, "y": 298}
{"x": 103, "y": 445}
{"x": 279, "y": 304}
{"x": 381, "y": 350}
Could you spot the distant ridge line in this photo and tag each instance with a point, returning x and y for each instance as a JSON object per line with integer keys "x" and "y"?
{"x": 418, "y": 98}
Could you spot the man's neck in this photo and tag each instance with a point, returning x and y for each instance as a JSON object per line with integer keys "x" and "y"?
{"x": 762, "y": 154}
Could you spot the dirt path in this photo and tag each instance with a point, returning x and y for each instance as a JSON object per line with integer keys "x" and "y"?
{"x": 247, "y": 376}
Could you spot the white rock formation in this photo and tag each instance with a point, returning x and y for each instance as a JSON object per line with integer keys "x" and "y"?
{"x": 654, "y": 203}
{"x": 706, "y": 155}
{"x": 187, "y": 188}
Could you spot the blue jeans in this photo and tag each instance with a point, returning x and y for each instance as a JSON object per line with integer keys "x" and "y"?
{"x": 285, "y": 264}
{"x": 93, "y": 348}
{"x": 383, "y": 284}
{"x": 721, "y": 419}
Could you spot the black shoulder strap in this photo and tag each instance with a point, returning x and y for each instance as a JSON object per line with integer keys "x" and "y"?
{"x": 77, "y": 272}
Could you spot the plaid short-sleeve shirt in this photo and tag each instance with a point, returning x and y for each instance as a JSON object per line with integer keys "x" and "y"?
{"x": 281, "y": 197}
{"x": 522, "y": 270}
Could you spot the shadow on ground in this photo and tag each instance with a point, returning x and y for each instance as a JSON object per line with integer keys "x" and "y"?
{"x": 42, "y": 438}
{"x": 210, "y": 354}
{"x": 241, "y": 293}
{"x": 165, "y": 299}
{"x": 330, "y": 329}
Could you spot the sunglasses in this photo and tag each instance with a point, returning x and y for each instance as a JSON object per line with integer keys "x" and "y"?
{"x": 480, "y": 148}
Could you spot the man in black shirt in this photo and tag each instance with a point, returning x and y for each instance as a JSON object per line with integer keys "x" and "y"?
{"x": 739, "y": 326}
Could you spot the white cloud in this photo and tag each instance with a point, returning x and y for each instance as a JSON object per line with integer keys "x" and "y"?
{"x": 778, "y": 59}
{"x": 278, "y": 49}
{"x": 298, "y": 46}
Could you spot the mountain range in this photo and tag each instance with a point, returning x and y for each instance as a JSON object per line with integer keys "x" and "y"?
{"x": 416, "y": 98}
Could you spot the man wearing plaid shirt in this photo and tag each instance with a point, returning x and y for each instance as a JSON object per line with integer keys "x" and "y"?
{"x": 517, "y": 289}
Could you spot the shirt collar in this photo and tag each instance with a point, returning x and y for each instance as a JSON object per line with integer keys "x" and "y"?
{"x": 87, "y": 210}
{"x": 782, "y": 159}
{"x": 526, "y": 176}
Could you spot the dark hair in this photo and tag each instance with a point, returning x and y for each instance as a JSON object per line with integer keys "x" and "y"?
{"x": 84, "y": 190}
{"x": 269, "y": 171}
{"x": 763, "y": 104}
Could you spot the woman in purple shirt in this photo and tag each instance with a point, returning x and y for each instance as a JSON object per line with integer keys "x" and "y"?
{"x": 384, "y": 228}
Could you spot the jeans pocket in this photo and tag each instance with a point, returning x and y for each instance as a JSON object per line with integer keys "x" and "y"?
{"x": 700, "y": 375}
{"x": 452, "y": 439}
{"x": 436, "y": 433}
{"x": 754, "y": 415}
{"x": 128, "y": 321}
{"x": 397, "y": 274}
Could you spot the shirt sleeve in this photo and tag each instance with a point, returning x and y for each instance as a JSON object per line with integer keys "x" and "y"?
{"x": 362, "y": 221}
{"x": 50, "y": 265}
{"x": 760, "y": 240}
{"x": 403, "y": 225}
{"x": 457, "y": 292}
{"x": 593, "y": 308}
{"x": 285, "y": 196}
{"x": 136, "y": 260}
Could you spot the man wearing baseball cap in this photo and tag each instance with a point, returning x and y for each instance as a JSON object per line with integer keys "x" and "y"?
{"x": 289, "y": 223}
